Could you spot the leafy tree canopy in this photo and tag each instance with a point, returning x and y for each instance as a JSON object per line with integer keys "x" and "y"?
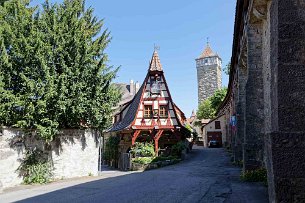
{"x": 208, "y": 107}
{"x": 53, "y": 68}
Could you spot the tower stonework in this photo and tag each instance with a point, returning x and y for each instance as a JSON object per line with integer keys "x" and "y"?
{"x": 208, "y": 66}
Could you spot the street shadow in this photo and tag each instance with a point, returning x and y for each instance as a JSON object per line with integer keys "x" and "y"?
{"x": 103, "y": 190}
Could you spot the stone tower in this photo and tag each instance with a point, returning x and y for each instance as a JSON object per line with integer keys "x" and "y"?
{"x": 208, "y": 66}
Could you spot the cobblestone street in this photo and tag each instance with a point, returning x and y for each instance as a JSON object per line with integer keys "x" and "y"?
{"x": 207, "y": 176}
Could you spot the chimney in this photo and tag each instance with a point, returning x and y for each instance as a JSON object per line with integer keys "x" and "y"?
{"x": 137, "y": 87}
{"x": 131, "y": 89}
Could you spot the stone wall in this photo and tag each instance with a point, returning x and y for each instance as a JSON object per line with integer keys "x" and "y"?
{"x": 209, "y": 80}
{"x": 286, "y": 143}
{"x": 73, "y": 154}
{"x": 269, "y": 97}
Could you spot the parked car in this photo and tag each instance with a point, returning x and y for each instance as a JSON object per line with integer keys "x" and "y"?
{"x": 214, "y": 143}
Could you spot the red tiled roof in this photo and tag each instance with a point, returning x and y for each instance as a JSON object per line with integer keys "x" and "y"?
{"x": 207, "y": 52}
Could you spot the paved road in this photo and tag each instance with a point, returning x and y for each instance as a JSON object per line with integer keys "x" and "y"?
{"x": 207, "y": 176}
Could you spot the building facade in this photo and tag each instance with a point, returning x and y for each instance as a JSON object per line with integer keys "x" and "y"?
{"x": 264, "y": 106}
{"x": 208, "y": 66}
{"x": 151, "y": 116}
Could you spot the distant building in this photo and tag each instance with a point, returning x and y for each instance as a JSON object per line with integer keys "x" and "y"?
{"x": 128, "y": 92}
{"x": 208, "y": 66}
{"x": 215, "y": 130}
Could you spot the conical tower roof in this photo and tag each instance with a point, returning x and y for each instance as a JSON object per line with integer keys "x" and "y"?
{"x": 155, "y": 64}
{"x": 207, "y": 52}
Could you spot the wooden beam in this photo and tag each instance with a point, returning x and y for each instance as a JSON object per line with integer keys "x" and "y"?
{"x": 156, "y": 138}
{"x": 134, "y": 136}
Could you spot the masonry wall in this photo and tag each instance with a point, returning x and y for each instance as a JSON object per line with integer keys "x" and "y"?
{"x": 209, "y": 80}
{"x": 74, "y": 154}
{"x": 286, "y": 141}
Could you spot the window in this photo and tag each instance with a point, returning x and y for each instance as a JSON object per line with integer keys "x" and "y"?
{"x": 155, "y": 85}
{"x": 163, "y": 111}
{"x": 217, "y": 125}
{"x": 147, "y": 111}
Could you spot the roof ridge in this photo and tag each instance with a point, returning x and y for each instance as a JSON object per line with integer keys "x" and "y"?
{"x": 155, "y": 64}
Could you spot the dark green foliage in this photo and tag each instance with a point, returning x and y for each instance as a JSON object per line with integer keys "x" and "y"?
{"x": 2, "y": 2}
{"x": 53, "y": 71}
{"x": 258, "y": 175}
{"x": 111, "y": 149}
{"x": 177, "y": 149}
{"x": 143, "y": 149}
{"x": 207, "y": 109}
{"x": 35, "y": 167}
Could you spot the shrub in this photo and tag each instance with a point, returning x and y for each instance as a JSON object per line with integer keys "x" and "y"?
{"x": 258, "y": 175}
{"x": 143, "y": 149}
{"x": 177, "y": 149}
{"x": 111, "y": 149}
{"x": 143, "y": 160}
{"x": 35, "y": 167}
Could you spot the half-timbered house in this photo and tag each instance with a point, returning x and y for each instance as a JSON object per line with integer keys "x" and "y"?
{"x": 151, "y": 116}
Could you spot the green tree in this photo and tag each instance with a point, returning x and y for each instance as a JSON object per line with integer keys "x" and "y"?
{"x": 53, "y": 68}
{"x": 207, "y": 109}
{"x": 217, "y": 98}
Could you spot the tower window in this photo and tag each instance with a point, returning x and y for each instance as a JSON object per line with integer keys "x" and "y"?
{"x": 217, "y": 125}
{"x": 147, "y": 111}
{"x": 163, "y": 111}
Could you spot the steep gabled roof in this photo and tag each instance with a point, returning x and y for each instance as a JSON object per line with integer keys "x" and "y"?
{"x": 130, "y": 116}
{"x": 155, "y": 64}
{"x": 131, "y": 113}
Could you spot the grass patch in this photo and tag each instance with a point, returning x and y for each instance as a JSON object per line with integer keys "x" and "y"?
{"x": 258, "y": 175}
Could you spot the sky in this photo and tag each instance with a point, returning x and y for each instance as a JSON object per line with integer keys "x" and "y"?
{"x": 180, "y": 28}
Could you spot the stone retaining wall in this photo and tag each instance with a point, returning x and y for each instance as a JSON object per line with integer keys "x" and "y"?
{"x": 73, "y": 154}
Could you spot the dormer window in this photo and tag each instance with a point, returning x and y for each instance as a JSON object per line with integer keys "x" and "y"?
{"x": 155, "y": 85}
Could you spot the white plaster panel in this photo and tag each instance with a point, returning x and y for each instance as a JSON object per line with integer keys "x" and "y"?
{"x": 140, "y": 114}
{"x": 148, "y": 102}
{"x": 172, "y": 114}
{"x": 163, "y": 102}
{"x": 138, "y": 122}
{"x": 146, "y": 95}
{"x": 156, "y": 105}
{"x": 148, "y": 121}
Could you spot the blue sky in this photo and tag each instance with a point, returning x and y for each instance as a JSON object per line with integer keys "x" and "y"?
{"x": 179, "y": 27}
